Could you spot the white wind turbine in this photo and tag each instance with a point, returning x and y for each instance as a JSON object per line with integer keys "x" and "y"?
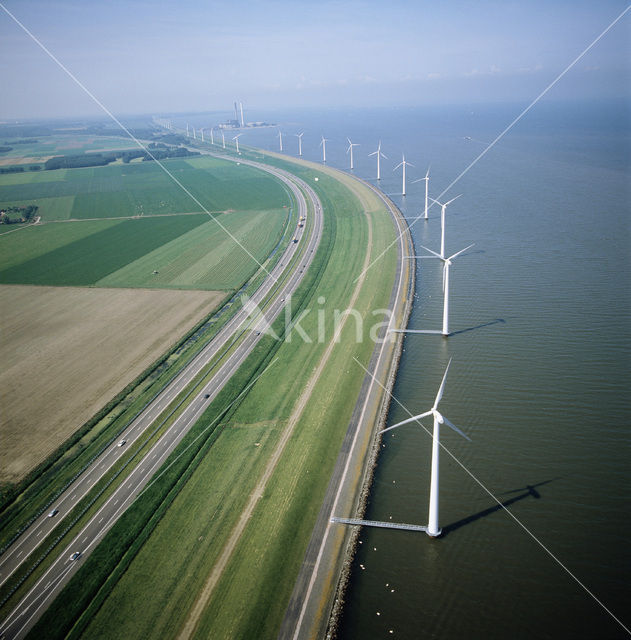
{"x": 202, "y": 133}
{"x": 433, "y": 530}
{"x": 379, "y": 156}
{"x": 323, "y": 145}
{"x": 446, "y": 265}
{"x": 426, "y": 178}
{"x": 404, "y": 164}
{"x": 280, "y": 139}
{"x": 212, "y": 137}
{"x": 350, "y": 149}
{"x": 236, "y": 140}
{"x": 223, "y": 139}
{"x": 194, "y": 136}
{"x": 443, "y": 207}
{"x": 187, "y": 129}
{"x": 299, "y": 136}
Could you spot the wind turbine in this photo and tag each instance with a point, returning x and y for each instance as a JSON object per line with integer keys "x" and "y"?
{"x": 350, "y": 148}
{"x": 404, "y": 164}
{"x": 187, "y": 129}
{"x": 202, "y": 132}
{"x": 426, "y": 178}
{"x": 280, "y": 139}
{"x": 379, "y": 156}
{"x": 212, "y": 137}
{"x": 433, "y": 530}
{"x": 194, "y": 136}
{"x": 323, "y": 145}
{"x": 299, "y": 136}
{"x": 242, "y": 120}
{"x": 442, "y": 222}
{"x": 446, "y": 265}
{"x": 223, "y": 139}
{"x": 236, "y": 140}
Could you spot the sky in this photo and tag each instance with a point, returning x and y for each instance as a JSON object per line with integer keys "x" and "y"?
{"x": 140, "y": 56}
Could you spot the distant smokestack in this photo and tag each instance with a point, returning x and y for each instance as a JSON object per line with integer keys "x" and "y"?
{"x": 242, "y": 121}
{"x": 236, "y": 112}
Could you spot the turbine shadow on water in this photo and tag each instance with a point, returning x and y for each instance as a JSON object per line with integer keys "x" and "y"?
{"x": 480, "y": 326}
{"x": 529, "y": 491}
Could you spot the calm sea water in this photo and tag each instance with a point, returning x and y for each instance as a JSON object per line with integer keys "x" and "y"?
{"x": 540, "y": 379}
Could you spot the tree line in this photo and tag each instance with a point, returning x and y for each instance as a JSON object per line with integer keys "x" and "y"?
{"x": 13, "y": 215}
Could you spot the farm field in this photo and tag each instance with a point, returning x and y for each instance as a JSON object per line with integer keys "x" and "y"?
{"x": 47, "y": 146}
{"x": 187, "y": 251}
{"x": 142, "y": 189}
{"x": 65, "y": 352}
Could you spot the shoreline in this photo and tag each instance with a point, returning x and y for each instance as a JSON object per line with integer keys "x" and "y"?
{"x": 372, "y": 459}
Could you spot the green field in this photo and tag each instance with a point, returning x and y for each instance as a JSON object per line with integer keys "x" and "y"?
{"x": 142, "y": 189}
{"x": 146, "y": 231}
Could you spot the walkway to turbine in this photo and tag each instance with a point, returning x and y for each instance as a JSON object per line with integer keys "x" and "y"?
{"x": 377, "y": 523}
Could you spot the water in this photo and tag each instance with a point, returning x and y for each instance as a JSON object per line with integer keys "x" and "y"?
{"x": 540, "y": 376}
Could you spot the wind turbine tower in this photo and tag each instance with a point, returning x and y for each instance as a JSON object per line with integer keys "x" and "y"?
{"x": 446, "y": 264}
{"x": 194, "y": 136}
{"x": 350, "y": 149}
{"x": 323, "y": 145}
{"x": 433, "y": 529}
{"x": 379, "y": 156}
{"x": 403, "y": 164}
{"x": 201, "y": 131}
{"x": 299, "y": 136}
{"x": 212, "y": 137}
{"x": 242, "y": 120}
{"x": 236, "y": 140}
{"x": 426, "y": 178}
{"x": 223, "y": 140}
{"x": 280, "y": 140}
{"x": 187, "y": 129}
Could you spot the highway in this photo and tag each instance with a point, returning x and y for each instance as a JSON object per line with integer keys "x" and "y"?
{"x": 238, "y": 337}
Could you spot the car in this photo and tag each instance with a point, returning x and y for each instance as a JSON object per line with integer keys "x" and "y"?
{"x": 207, "y": 395}
{"x": 122, "y": 443}
{"x": 258, "y": 333}
{"x": 75, "y": 555}
{"x": 53, "y": 513}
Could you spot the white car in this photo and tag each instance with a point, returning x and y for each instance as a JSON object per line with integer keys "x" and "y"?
{"x": 53, "y": 513}
{"x": 75, "y": 555}
{"x": 122, "y": 442}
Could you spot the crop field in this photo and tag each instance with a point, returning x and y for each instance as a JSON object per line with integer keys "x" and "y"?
{"x": 47, "y": 146}
{"x": 65, "y": 353}
{"x": 251, "y": 594}
{"x": 142, "y": 189}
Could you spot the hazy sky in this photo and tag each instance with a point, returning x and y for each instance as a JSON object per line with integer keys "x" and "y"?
{"x": 140, "y": 56}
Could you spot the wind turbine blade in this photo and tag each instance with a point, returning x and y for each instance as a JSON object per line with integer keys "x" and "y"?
{"x": 439, "y": 395}
{"x": 461, "y": 251}
{"x": 455, "y": 428}
{"x": 413, "y": 419}
{"x": 436, "y": 201}
{"x": 432, "y": 252}
{"x": 450, "y": 201}
{"x": 419, "y": 180}
{"x": 426, "y": 175}
{"x": 400, "y": 163}
{"x": 383, "y": 155}
{"x": 409, "y": 164}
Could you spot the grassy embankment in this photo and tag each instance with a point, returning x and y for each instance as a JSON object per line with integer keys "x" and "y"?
{"x": 188, "y": 238}
{"x": 250, "y": 596}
